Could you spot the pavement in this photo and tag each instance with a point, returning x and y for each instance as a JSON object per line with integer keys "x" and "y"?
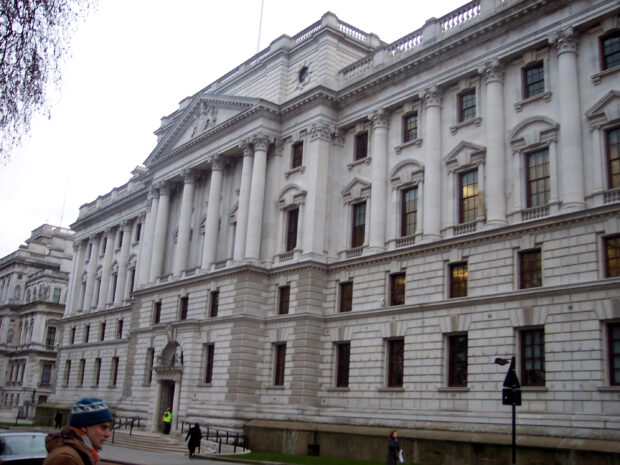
{"x": 113, "y": 454}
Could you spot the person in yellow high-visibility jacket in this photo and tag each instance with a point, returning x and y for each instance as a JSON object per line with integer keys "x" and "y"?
{"x": 167, "y": 420}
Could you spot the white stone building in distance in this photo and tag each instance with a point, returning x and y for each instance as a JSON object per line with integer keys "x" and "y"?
{"x": 33, "y": 292}
{"x": 345, "y": 233}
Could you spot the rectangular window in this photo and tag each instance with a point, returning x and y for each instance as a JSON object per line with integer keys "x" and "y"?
{"x": 469, "y": 198}
{"x": 457, "y": 360}
{"x": 86, "y": 333}
{"x": 214, "y": 303}
{"x": 50, "y": 337}
{"x": 292, "y": 217}
{"x": 612, "y": 256}
{"x": 156, "y": 312}
{"x": 346, "y": 297}
{"x": 114, "y": 284}
{"x": 612, "y": 147}
{"x": 284, "y": 298}
{"x": 533, "y": 357}
{"x": 132, "y": 280}
{"x": 119, "y": 329}
{"x": 410, "y": 127}
{"x": 467, "y": 105}
{"x": 183, "y": 306}
{"x": 56, "y": 296}
{"x": 97, "y": 291}
{"x": 138, "y": 231}
{"x": 358, "y": 228}
{"x": 97, "y": 373}
{"x": 409, "y": 212}
{"x": 150, "y": 359}
{"x": 610, "y": 47}
{"x": 361, "y": 145}
{"x": 81, "y": 372}
{"x": 279, "y": 364}
{"x": 343, "y": 354}
{"x": 114, "y": 372}
{"x": 209, "y": 352}
{"x": 46, "y": 374}
{"x": 72, "y": 337}
{"x": 102, "y": 331}
{"x": 533, "y": 80}
{"x": 538, "y": 179}
{"x": 396, "y": 358}
{"x": 613, "y": 338}
{"x": 120, "y": 239}
{"x": 530, "y": 269}
{"x": 458, "y": 280}
{"x": 397, "y": 289}
{"x": 67, "y": 372}
{"x": 297, "y": 154}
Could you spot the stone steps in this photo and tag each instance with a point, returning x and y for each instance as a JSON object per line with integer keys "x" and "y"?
{"x": 149, "y": 441}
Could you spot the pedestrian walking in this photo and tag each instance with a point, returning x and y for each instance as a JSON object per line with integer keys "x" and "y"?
{"x": 58, "y": 420}
{"x": 394, "y": 450}
{"x": 195, "y": 435}
{"x": 80, "y": 442}
{"x": 167, "y": 420}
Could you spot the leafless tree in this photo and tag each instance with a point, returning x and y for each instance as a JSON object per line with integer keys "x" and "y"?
{"x": 34, "y": 36}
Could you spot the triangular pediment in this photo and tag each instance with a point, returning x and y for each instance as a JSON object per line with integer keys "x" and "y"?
{"x": 465, "y": 153}
{"x": 356, "y": 189}
{"x": 201, "y": 115}
{"x": 605, "y": 110}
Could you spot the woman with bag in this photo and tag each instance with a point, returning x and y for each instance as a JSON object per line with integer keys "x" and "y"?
{"x": 394, "y": 454}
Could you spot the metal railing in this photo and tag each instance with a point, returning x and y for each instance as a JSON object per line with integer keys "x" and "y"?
{"x": 124, "y": 423}
{"x": 219, "y": 436}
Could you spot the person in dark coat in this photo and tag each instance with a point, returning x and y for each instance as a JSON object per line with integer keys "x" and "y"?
{"x": 393, "y": 449}
{"x": 195, "y": 435}
{"x": 58, "y": 420}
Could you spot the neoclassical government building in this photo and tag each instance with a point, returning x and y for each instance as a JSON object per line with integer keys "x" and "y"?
{"x": 347, "y": 232}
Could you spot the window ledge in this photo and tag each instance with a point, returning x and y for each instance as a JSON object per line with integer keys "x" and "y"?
{"x": 338, "y": 389}
{"x": 299, "y": 169}
{"x": 453, "y": 389}
{"x": 546, "y": 96}
{"x": 391, "y": 389}
{"x": 363, "y": 161}
{"x": 275, "y": 388}
{"x": 473, "y": 121}
{"x": 417, "y": 142}
{"x": 534, "y": 389}
{"x": 205, "y": 385}
{"x": 596, "y": 78}
{"x": 608, "y": 389}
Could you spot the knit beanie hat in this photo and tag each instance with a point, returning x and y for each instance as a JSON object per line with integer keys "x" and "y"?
{"x": 89, "y": 411}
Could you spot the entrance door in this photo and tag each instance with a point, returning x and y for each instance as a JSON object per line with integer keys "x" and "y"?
{"x": 166, "y": 400}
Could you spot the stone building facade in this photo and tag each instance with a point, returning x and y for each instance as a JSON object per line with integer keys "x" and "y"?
{"x": 33, "y": 293}
{"x": 342, "y": 231}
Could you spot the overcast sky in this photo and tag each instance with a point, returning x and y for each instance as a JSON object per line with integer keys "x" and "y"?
{"x": 131, "y": 62}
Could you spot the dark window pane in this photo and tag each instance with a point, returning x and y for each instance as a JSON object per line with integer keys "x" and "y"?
{"x": 359, "y": 225}
{"x": 284, "y": 300}
{"x": 214, "y": 304}
{"x": 291, "y": 229}
{"x": 612, "y": 257}
{"x": 346, "y": 297}
{"x": 613, "y": 157}
{"x": 531, "y": 269}
{"x": 409, "y": 212}
{"x": 184, "y": 301}
{"x": 361, "y": 145}
{"x": 280, "y": 356}
{"x": 342, "y": 371}
{"x": 396, "y": 356}
{"x": 209, "y": 363}
{"x": 397, "y": 289}
{"x": 538, "y": 180}
{"x": 410, "y": 127}
{"x": 467, "y": 105}
{"x": 470, "y": 200}
{"x": 457, "y": 350}
{"x": 533, "y": 357}
{"x": 611, "y": 50}
{"x": 533, "y": 80}
{"x": 297, "y": 154}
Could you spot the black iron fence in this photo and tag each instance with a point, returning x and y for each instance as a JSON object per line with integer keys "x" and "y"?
{"x": 219, "y": 436}
{"x": 125, "y": 423}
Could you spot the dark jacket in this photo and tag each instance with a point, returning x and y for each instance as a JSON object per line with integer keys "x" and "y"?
{"x": 194, "y": 434}
{"x": 392, "y": 454}
{"x": 67, "y": 448}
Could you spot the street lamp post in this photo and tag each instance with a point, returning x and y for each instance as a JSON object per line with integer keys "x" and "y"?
{"x": 511, "y": 395}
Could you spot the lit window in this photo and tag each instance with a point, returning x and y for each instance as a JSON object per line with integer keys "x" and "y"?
{"x": 530, "y": 269}
{"x": 458, "y": 280}
{"x": 612, "y": 147}
{"x": 533, "y": 357}
{"x": 612, "y": 256}
{"x": 457, "y": 360}
{"x": 467, "y": 105}
{"x": 396, "y": 356}
{"x": 397, "y": 289}
{"x": 538, "y": 179}
{"x": 533, "y": 80}
{"x": 343, "y": 354}
{"x": 470, "y": 200}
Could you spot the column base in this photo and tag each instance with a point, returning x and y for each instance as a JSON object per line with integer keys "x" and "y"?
{"x": 494, "y": 223}
{"x": 426, "y": 238}
{"x": 569, "y": 207}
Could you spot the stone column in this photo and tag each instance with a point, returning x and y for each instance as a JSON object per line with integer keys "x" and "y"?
{"x": 432, "y": 167}
{"x": 244, "y": 201}
{"x": 378, "y": 200}
{"x": 107, "y": 265}
{"x": 494, "y": 195}
{"x": 122, "y": 266}
{"x": 160, "y": 233}
{"x": 91, "y": 274}
{"x": 571, "y": 156}
{"x": 76, "y": 275}
{"x": 187, "y": 201}
{"x": 213, "y": 212}
{"x": 314, "y": 213}
{"x": 149, "y": 234}
{"x": 257, "y": 197}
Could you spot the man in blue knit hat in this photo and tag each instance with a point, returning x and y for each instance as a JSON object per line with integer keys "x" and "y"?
{"x": 80, "y": 442}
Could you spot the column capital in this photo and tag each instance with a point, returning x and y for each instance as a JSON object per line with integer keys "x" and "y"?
{"x": 564, "y": 41}
{"x": 379, "y": 118}
{"x": 218, "y": 162}
{"x": 246, "y": 147}
{"x": 164, "y": 187}
{"x": 493, "y": 71}
{"x": 261, "y": 142}
{"x": 320, "y": 130}
{"x": 189, "y": 176}
{"x": 432, "y": 97}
